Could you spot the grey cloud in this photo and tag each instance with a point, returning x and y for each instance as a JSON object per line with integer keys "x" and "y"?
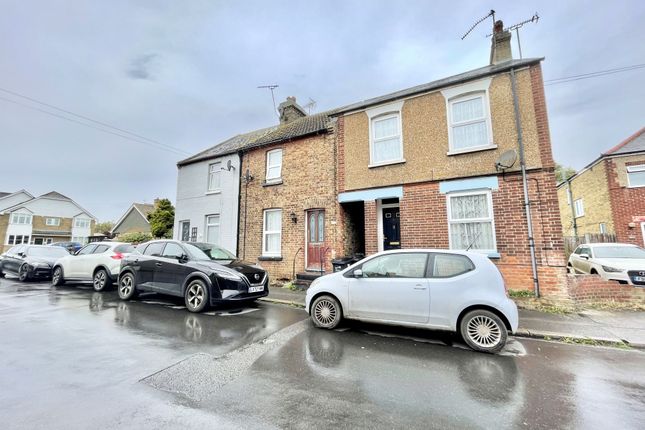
{"x": 142, "y": 67}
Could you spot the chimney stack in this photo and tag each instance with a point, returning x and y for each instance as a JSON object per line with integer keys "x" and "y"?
{"x": 500, "y": 50}
{"x": 290, "y": 110}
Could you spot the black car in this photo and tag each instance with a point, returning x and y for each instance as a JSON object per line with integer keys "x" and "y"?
{"x": 71, "y": 247}
{"x": 184, "y": 270}
{"x": 30, "y": 261}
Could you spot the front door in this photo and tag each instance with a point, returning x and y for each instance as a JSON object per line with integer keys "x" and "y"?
{"x": 315, "y": 239}
{"x": 185, "y": 231}
{"x": 391, "y": 228}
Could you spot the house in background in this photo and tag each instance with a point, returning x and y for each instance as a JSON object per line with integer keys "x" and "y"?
{"x": 417, "y": 168}
{"x": 608, "y": 195}
{"x": 134, "y": 220}
{"x": 49, "y": 218}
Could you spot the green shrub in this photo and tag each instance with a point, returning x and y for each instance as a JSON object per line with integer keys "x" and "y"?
{"x": 135, "y": 237}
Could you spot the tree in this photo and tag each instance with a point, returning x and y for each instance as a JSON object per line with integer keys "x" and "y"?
{"x": 562, "y": 173}
{"x": 162, "y": 218}
{"x": 104, "y": 227}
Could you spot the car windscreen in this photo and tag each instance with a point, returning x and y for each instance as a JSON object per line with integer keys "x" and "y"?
{"x": 47, "y": 252}
{"x": 124, "y": 249}
{"x": 619, "y": 252}
{"x": 215, "y": 252}
{"x": 195, "y": 253}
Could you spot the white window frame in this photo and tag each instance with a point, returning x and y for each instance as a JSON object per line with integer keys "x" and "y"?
{"x": 26, "y": 239}
{"x": 214, "y": 169}
{"x": 214, "y": 224}
{"x": 16, "y": 216}
{"x": 277, "y": 178}
{"x": 54, "y": 222}
{"x": 634, "y": 169}
{"x": 265, "y": 233}
{"x": 462, "y": 93}
{"x": 490, "y": 218}
{"x": 80, "y": 222}
{"x": 381, "y": 113}
{"x": 579, "y": 207}
{"x": 602, "y": 227}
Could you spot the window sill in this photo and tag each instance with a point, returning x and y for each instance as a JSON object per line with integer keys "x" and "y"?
{"x": 635, "y": 186}
{"x": 272, "y": 182}
{"x": 213, "y": 192}
{"x": 469, "y": 150}
{"x": 386, "y": 163}
{"x": 269, "y": 258}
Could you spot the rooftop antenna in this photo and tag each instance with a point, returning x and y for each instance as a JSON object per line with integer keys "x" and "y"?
{"x": 271, "y": 88}
{"x": 517, "y": 27}
{"x": 490, "y": 14}
{"x": 309, "y": 106}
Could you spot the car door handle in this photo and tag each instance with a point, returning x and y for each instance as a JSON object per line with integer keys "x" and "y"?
{"x": 419, "y": 287}
{"x": 158, "y": 264}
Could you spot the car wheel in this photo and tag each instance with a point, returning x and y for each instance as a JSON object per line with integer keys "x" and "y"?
{"x": 326, "y": 312}
{"x": 127, "y": 287}
{"x": 1, "y": 274}
{"x": 196, "y": 296}
{"x": 483, "y": 331}
{"x": 101, "y": 280}
{"x": 57, "y": 277}
{"x": 23, "y": 273}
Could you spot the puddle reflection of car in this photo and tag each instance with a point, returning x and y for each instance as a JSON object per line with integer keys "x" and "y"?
{"x": 184, "y": 270}
{"x": 456, "y": 291}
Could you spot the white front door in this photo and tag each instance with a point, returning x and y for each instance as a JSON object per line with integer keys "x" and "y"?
{"x": 393, "y": 287}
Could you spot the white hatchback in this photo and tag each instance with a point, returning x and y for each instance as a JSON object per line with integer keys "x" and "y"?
{"x": 620, "y": 262}
{"x": 98, "y": 262}
{"x": 457, "y": 291}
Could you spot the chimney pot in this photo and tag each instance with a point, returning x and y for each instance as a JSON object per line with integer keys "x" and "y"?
{"x": 290, "y": 110}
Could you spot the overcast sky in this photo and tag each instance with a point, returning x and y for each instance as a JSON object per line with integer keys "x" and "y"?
{"x": 185, "y": 74}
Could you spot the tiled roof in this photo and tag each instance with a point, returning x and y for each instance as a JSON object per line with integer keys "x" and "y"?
{"x": 3, "y": 194}
{"x": 144, "y": 208}
{"x": 55, "y": 195}
{"x": 634, "y": 143}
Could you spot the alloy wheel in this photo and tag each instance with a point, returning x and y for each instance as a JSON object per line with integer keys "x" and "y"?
{"x": 484, "y": 331}
{"x": 195, "y": 295}
{"x": 22, "y": 273}
{"x": 99, "y": 280}
{"x": 125, "y": 286}
{"x": 325, "y": 312}
{"x": 56, "y": 276}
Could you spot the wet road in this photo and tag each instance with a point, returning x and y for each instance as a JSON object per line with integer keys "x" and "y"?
{"x": 73, "y": 358}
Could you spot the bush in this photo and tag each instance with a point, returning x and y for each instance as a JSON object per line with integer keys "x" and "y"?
{"x": 135, "y": 237}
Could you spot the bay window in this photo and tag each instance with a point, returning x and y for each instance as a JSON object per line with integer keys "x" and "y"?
{"x": 272, "y": 233}
{"x": 18, "y": 218}
{"x": 470, "y": 221}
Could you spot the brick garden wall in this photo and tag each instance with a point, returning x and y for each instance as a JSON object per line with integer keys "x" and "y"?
{"x": 591, "y": 289}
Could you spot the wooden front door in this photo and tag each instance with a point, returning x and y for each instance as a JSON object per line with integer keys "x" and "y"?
{"x": 315, "y": 239}
{"x": 391, "y": 228}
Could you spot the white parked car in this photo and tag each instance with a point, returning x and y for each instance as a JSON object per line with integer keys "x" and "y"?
{"x": 436, "y": 289}
{"x": 620, "y": 262}
{"x": 98, "y": 262}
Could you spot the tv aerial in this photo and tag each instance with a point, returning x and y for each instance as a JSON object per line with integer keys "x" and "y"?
{"x": 490, "y": 14}
{"x": 271, "y": 87}
{"x": 516, "y": 28}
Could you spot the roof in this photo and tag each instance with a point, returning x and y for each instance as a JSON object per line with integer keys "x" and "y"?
{"x": 3, "y": 194}
{"x": 312, "y": 124}
{"x": 55, "y": 195}
{"x": 634, "y": 143}
{"x": 442, "y": 83}
{"x": 142, "y": 208}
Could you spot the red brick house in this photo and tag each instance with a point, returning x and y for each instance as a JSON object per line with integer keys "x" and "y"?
{"x": 421, "y": 168}
{"x": 608, "y": 195}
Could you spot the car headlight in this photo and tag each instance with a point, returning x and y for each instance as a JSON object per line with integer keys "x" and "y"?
{"x": 228, "y": 275}
{"x": 40, "y": 265}
{"x": 610, "y": 269}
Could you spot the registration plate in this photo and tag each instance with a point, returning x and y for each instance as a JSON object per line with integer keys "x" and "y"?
{"x": 256, "y": 289}
{"x": 639, "y": 278}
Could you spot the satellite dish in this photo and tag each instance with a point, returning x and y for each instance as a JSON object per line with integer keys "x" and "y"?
{"x": 506, "y": 160}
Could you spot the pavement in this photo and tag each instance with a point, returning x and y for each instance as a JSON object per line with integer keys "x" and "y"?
{"x": 73, "y": 358}
{"x": 611, "y": 327}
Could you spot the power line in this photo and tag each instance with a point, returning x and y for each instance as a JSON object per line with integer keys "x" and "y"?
{"x": 590, "y": 75}
{"x": 86, "y": 118}
{"x": 175, "y": 151}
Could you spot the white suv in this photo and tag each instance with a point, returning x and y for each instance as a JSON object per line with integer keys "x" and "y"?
{"x": 98, "y": 262}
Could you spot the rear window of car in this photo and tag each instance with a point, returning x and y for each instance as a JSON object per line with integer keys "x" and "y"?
{"x": 154, "y": 249}
{"x": 101, "y": 249}
{"x": 124, "y": 249}
{"x": 449, "y": 265}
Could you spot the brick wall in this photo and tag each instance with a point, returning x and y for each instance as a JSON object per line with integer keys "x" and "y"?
{"x": 626, "y": 203}
{"x": 308, "y": 182}
{"x": 371, "y": 226}
{"x": 591, "y": 289}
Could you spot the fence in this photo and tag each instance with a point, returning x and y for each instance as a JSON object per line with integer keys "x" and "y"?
{"x": 572, "y": 242}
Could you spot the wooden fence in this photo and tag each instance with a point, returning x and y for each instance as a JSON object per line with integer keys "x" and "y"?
{"x": 572, "y": 242}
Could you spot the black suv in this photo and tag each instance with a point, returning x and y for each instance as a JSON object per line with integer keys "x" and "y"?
{"x": 184, "y": 270}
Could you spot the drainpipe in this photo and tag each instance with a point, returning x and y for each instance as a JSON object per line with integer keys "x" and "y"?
{"x": 525, "y": 185}
{"x": 573, "y": 209}
{"x": 239, "y": 201}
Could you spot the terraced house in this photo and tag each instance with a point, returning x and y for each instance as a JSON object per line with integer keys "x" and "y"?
{"x": 433, "y": 167}
{"x": 49, "y": 218}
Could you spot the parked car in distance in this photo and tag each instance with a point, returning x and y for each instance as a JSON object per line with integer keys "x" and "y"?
{"x": 457, "y": 291}
{"x": 71, "y": 247}
{"x": 30, "y": 261}
{"x": 99, "y": 262}
{"x": 620, "y": 262}
{"x": 182, "y": 269}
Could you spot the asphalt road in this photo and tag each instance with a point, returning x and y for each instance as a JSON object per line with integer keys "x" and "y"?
{"x": 76, "y": 359}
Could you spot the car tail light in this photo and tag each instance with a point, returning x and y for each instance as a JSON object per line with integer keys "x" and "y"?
{"x": 117, "y": 256}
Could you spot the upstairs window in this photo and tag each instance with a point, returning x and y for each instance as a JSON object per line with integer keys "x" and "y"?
{"x": 470, "y": 221}
{"x": 214, "y": 176}
{"x": 386, "y": 139}
{"x": 82, "y": 223}
{"x": 52, "y": 222}
{"x": 18, "y": 218}
{"x": 579, "y": 208}
{"x": 274, "y": 165}
{"x": 636, "y": 176}
{"x": 469, "y": 122}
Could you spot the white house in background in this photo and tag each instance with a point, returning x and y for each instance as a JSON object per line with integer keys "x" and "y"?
{"x": 46, "y": 219}
{"x": 208, "y": 190}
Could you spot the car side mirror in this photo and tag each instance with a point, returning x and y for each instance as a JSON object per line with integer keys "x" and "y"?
{"x": 584, "y": 256}
{"x": 20, "y": 254}
{"x": 358, "y": 273}
{"x": 183, "y": 258}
